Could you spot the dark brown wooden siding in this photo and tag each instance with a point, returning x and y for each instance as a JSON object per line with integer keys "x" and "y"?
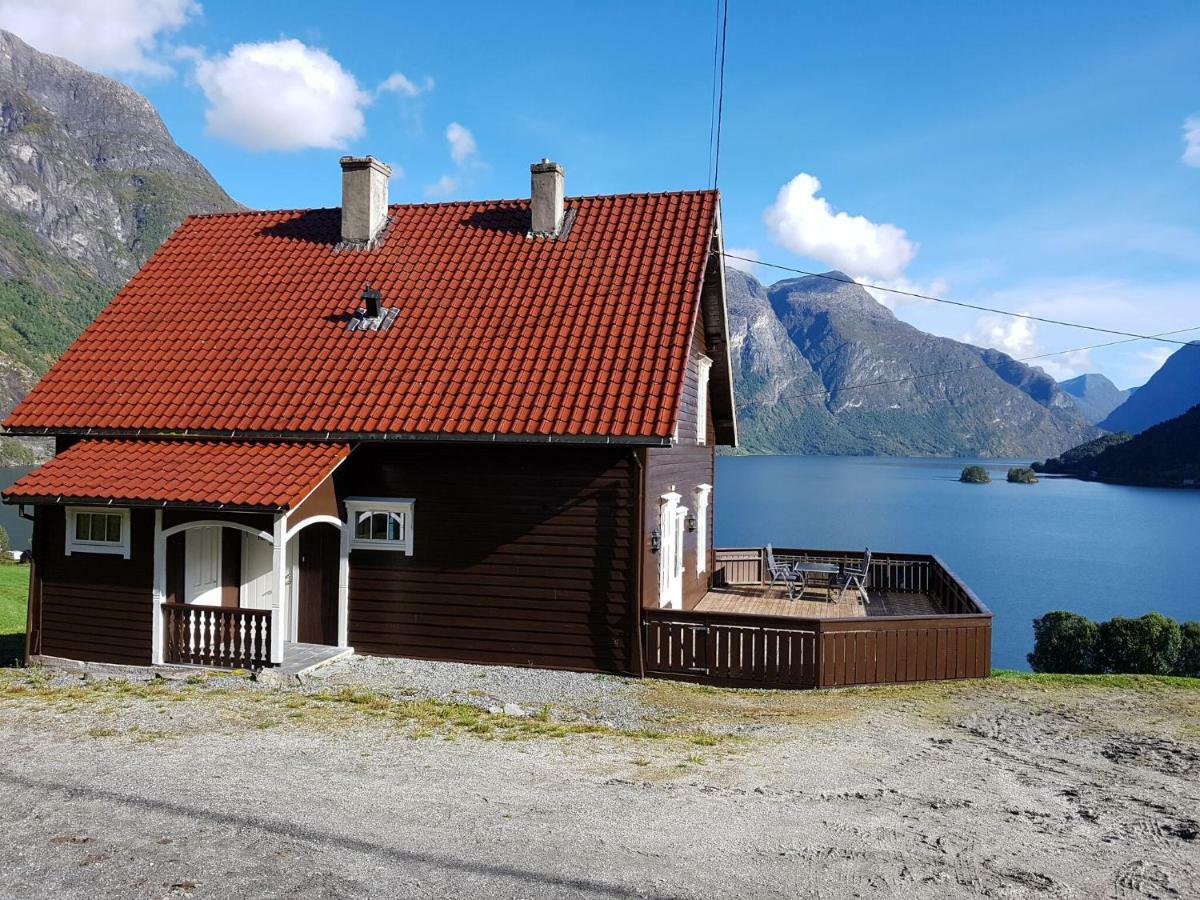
{"x": 94, "y": 606}
{"x": 682, "y": 468}
{"x": 522, "y": 555}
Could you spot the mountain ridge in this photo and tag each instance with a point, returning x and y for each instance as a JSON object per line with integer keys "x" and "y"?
{"x": 1095, "y": 395}
{"x": 1170, "y": 392}
{"x": 804, "y": 348}
{"x": 91, "y": 183}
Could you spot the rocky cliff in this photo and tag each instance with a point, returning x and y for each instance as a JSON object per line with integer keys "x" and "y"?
{"x": 822, "y": 367}
{"x": 90, "y": 184}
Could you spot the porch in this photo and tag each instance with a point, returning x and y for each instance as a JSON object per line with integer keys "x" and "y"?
{"x": 921, "y": 624}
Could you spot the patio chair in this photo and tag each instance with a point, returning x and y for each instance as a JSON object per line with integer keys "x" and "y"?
{"x": 784, "y": 573}
{"x": 856, "y": 577}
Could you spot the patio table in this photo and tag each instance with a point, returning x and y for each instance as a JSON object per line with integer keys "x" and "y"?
{"x": 829, "y": 570}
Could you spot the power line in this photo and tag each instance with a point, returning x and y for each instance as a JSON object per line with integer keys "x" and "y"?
{"x": 712, "y": 99}
{"x": 960, "y": 303}
{"x": 720, "y": 95}
{"x": 869, "y": 384}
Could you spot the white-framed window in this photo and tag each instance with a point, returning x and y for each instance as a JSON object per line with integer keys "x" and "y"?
{"x": 380, "y": 523}
{"x": 701, "y": 495}
{"x": 97, "y": 529}
{"x": 703, "y": 365}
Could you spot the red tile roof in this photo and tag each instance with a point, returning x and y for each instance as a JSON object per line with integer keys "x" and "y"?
{"x": 240, "y": 323}
{"x": 243, "y": 474}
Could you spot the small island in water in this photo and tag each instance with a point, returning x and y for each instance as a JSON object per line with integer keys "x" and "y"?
{"x": 1167, "y": 455}
{"x": 1022, "y": 475}
{"x": 975, "y": 475}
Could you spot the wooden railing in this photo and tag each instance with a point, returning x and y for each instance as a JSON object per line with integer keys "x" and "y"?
{"x": 227, "y": 637}
{"x": 797, "y": 652}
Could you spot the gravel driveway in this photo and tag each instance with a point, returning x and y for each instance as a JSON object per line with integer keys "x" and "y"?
{"x": 364, "y": 784}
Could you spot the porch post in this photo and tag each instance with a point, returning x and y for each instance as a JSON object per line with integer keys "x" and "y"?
{"x": 159, "y": 591}
{"x": 343, "y": 626}
{"x": 279, "y": 612}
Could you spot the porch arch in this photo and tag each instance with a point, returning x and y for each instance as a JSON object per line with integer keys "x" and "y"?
{"x": 215, "y": 523}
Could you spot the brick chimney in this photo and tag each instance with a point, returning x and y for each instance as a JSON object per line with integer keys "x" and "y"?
{"x": 364, "y": 197}
{"x": 546, "y": 195}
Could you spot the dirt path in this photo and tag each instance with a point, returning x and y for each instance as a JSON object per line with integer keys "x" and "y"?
{"x": 997, "y": 789}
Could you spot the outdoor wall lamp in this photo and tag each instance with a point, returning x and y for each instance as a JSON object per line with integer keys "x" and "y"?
{"x": 655, "y": 540}
{"x": 691, "y": 522}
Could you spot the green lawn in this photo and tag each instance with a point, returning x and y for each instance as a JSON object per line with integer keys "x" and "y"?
{"x": 14, "y": 591}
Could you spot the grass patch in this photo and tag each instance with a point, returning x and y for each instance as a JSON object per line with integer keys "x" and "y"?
{"x": 329, "y": 710}
{"x": 14, "y": 595}
{"x": 1119, "y": 682}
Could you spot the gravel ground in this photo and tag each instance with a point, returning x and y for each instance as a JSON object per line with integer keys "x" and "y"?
{"x": 356, "y": 785}
{"x": 574, "y": 695}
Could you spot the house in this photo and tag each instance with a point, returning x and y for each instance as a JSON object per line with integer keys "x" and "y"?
{"x": 433, "y": 430}
{"x": 477, "y": 431}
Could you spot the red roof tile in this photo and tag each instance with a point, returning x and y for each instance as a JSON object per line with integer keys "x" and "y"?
{"x": 244, "y": 474}
{"x": 240, "y": 323}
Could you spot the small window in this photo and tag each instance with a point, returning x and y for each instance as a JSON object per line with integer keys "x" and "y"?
{"x": 703, "y": 364}
{"x": 97, "y": 531}
{"x": 380, "y": 524}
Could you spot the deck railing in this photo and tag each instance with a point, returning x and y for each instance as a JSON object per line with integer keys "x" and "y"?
{"x": 795, "y": 652}
{"x": 227, "y": 637}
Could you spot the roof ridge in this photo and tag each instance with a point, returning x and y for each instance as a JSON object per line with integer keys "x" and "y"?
{"x": 697, "y": 192}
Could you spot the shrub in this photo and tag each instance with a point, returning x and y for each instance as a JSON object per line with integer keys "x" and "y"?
{"x": 974, "y": 475}
{"x": 1189, "y": 650}
{"x": 5, "y": 542}
{"x": 1022, "y": 475}
{"x": 1064, "y": 642}
{"x": 1149, "y": 645}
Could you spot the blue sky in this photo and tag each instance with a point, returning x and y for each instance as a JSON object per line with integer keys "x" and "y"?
{"x": 1027, "y": 156}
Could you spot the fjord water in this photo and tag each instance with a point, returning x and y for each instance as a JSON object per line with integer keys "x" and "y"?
{"x": 1096, "y": 549}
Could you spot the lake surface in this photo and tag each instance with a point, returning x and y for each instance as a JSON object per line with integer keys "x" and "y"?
{"x": 19, "y": 530}
{"x": 1096, "y": 549}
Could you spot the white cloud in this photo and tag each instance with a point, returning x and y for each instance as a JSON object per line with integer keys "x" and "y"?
{"x": 1019, "y": 339}
{"x": 1153, "y": 359}
{"x": 281, "y": 95}
{"x": 806, "y": 224}
{"x": 399, "y": 83}
{"x": 1016, "y": 337}
{"x": 112, "y": 36}
{"x": 463, "y": 149}
{"x": 1191, "y": 141}
{"x": 443, "y": 187}
{"x": 748, "y": 263}
{"x": 936, "y": 287}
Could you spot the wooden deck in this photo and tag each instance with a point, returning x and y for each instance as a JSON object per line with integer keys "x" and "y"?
{"x": 922, "y": 624}
{"x": 758, "y": 600}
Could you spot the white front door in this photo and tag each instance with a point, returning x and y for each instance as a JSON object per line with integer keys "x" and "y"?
{"x": 202, "y": 566}
{"x": 670, "y": 554}
{"x": 258, "y": 580}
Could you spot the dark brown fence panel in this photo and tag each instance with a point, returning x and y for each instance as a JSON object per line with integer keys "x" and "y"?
{"x": 900, "y": 649}
{"x": 221, "y": 636}
{"x": 739, "y": 566}
{"x": 730, "y": 650}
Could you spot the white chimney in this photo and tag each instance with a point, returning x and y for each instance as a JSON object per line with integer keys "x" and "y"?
{"x": 364, "y": 197}
{"x": 546, "y": 195}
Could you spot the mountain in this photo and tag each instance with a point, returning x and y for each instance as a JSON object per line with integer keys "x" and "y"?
{"x": 1095, "y": 395}
{"x": 1171, "y": 391}
{"x": 1164, "y": 455}
{"x": 801, "y": 346}
{"x": 90, "y": 184}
